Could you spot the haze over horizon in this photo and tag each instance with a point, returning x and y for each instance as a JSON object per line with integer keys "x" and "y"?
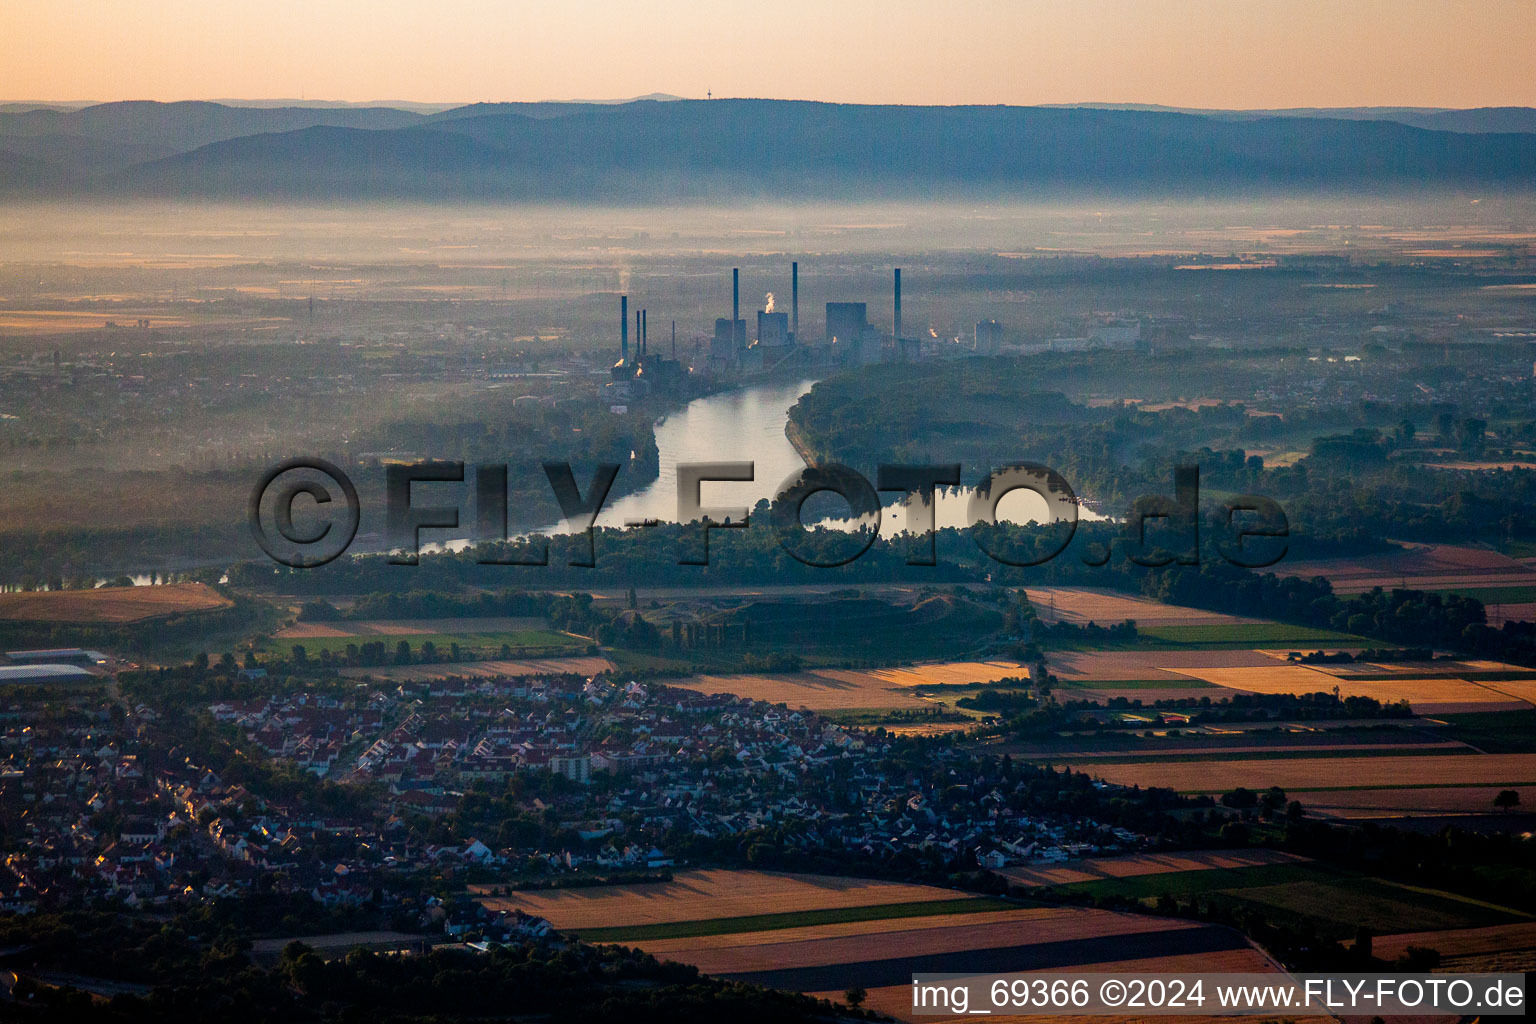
{"x": 1282, "y": 54}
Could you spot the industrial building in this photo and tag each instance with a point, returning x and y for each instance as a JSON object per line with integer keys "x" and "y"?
{"x": 846, "y": 321}
{"x": 31, "y": 675}
{"x": 634, "y": 376}
{"x": 57, "y": 655}
{"x": 988, "y": 339}
{"x": 849, "y": 338}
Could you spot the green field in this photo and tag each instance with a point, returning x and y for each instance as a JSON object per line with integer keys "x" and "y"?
{"x": 1377, "y": 904}
{"x": 798, "y": 919}
{"x": 1249, "y": 635}
{"x": 1190, "y": 883}
{"x": 1335, "y": 901}
{"x": 524, "y": 642}
{"x": 1512, "y": 594}
{"x": 1494, "y": 732}
{"x": 1137, "y": 684}
{"x": 705, "y": 660}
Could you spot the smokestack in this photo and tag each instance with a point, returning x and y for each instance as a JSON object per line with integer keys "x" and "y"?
{"x": 735, "y": 297}
{"x": 637, "y": 332}
{"x": 674, "y": 339}
{"x": 624, "y": 329}
{"x": 794, "y": 299}
{"x": 645, "y": 324}
{"x": 897, "y": 329}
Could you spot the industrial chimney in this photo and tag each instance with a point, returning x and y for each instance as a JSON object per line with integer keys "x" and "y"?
{"x": 645, "y": 324}
{"x": 794, "y": 300}
{"x": 624, "y": 329}
{"x": 897, "y": 328}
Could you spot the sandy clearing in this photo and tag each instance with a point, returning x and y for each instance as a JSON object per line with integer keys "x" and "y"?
{"x": 581, "y": 666}
{"x": 111, "y": 604}
{"x": 1327, "y": 773}
{"x": 1096, "y": 869}
{"x": 706, "y": 895}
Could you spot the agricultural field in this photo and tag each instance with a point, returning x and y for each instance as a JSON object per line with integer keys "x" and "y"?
{"x": 1336, "y": 901}
{"x": 581, "y": 665}
{"x": 408, "y": 628}
{"x": 1347, "y": 904}
{"x": 1499, "y": 613}
{"x": 1096, "y": 869}
{"x": 1475, "y": 669}
{"x": 1240, "y": 635}
{"x": 927, "y": 627}
{"x": 881, "y": 956}
{"x": 1463, "y": 942}
{"x": 1440, "y": 567}
{"x": 36, "y": 322}
{"x": 1171, "y": 749}
{"x": 33, "y": 322}
{"x": 1142, "y": 666}
{"x": 1173, "y": 740}
{"x": 847, "y": 689}
{"x": 1081, "y": 605}
{"x": 714, "y": 895}
{"x": 1499, "y": 732}
{"x": 823, "y": 935}
{"x": 535, "y": 642}
{"x": 1435, "y": 801}
{"x": 1300, "y": 776}
{"x": 110, "y": 605}
{"x": 1426, "y": 696}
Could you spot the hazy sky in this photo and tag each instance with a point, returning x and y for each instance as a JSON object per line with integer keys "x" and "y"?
{"x": 1210, "y": 53}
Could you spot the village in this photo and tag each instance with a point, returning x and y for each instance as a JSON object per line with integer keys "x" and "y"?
{"x": 626, "y": 776}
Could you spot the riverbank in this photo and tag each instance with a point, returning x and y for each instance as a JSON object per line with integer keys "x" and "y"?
{"x": 797, "y": 441}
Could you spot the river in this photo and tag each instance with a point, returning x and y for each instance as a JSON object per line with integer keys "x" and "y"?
{"x": 747, "y": 425}
{"x": 741, "y": 425}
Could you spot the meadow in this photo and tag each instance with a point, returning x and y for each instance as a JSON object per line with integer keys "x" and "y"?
{"x": 522, "y": 642}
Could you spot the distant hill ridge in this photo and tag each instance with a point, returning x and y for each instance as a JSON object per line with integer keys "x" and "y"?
{"x": 667, "y": 150}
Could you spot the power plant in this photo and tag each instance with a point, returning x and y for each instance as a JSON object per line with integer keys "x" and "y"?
{"x": 775, "y": 343}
